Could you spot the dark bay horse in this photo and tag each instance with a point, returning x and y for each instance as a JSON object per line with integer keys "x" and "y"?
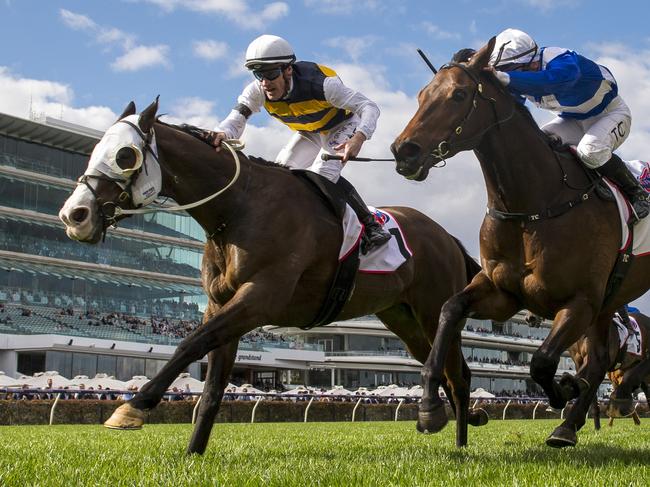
{"x": 270, "y": 257}
{"x": 548, "y": 244}
{"x": 619, "y": 364}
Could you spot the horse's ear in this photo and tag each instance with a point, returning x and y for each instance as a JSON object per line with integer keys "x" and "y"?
{"x": 482, "y": 56}
{"x": 129, "y": 110}
{"x": 148, "y": 116}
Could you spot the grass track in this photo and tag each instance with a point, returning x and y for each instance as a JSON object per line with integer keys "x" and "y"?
{"x": 377, "y": 453}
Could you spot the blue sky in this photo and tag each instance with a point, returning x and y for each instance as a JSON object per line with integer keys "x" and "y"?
{"x": 84, "y": 60}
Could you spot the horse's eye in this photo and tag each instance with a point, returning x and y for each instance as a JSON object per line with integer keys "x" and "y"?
{"x": 459, "y": 95}
{"x": 126, "y": 158}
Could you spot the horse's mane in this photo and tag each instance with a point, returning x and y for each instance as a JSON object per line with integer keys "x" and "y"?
{"x": 198, "y": 133}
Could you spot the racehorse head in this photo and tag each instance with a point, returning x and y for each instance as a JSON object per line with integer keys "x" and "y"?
{"x": 123, "y": 172}
{"x": 453, "y": 112}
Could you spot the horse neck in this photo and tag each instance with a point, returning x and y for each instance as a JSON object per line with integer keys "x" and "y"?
{"x": 519, "y": 167}
{"x": 191, "y": 171}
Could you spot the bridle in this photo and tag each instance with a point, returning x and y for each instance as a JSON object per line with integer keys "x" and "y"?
{"x": 444, "y": 148}
{"x": 109, "y": 211}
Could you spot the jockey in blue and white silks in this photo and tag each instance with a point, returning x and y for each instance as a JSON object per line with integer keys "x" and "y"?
{"x": 591, "y": 113}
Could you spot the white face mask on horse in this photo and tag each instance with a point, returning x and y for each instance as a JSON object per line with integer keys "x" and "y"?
{"x": 122, "y": 155}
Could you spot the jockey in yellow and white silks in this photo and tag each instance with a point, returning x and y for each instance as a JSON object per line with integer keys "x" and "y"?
{"x": 310, "y": 99}
{"x": 591, "y": 113}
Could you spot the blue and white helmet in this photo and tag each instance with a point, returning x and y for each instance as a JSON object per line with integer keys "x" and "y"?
{"x": 267, "y": 51}
{"x": 513, "y": 47}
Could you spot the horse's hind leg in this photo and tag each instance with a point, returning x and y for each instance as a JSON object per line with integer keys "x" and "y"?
{"x": 621, "y": 403}
{"x": 220, "y": 362}
{"x": 595, "y": 412}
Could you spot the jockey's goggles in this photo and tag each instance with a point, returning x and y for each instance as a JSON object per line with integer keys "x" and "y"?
{"x": 268, "y": 74}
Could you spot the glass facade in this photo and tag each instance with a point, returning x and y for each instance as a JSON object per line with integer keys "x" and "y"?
{"x": 71, "y": 287}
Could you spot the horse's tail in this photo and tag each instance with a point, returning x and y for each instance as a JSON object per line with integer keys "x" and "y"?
{"x": 471, "y": 266}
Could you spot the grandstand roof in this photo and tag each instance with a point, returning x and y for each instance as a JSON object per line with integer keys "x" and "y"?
{"x": 52, "y": 132}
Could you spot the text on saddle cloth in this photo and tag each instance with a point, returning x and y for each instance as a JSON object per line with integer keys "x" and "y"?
{"x": 387, "y": 258}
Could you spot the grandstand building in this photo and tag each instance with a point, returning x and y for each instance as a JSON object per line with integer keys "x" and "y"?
{"x": 122, "y": 306}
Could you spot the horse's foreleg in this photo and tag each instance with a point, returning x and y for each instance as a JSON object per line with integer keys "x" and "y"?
{"x": 220, "y": 364}
{"x": 592, "y": 376}
{"x": 569, "y": 325}
{"x": 459, "y": 388}
{"x": 246, "y": 310}
{"x": 479, "y": 299}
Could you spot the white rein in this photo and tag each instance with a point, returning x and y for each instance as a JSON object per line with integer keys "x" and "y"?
{"x": 233, "y": 145}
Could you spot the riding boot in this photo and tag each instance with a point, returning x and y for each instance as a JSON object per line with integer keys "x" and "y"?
{"x": 375, "y": 235}
{"x": 616, "y": 170}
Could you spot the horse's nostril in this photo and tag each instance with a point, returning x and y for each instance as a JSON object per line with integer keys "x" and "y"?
{"x": 79, "y": 215}
{"x": 409, "y": 150}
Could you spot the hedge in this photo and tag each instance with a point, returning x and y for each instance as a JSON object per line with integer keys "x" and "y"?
{"x": 96, "y": 412}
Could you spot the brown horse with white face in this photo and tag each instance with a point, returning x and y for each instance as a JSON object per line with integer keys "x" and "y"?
{"x": 548, "y": 244}
{"x": 270, "y": 258}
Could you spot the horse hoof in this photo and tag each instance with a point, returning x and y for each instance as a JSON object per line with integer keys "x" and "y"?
{"x": 562, "y": 437}
{"x": 478, "y": 417}
{"x": 126, "y": 417}
{"x": 620, "y": 408}
{"x": 432, "y": 421}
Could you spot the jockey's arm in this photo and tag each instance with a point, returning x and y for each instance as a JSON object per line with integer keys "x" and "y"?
{"x": 250, "y": 101}
{"x": 341, "y": 96}
{"x": 560, "y": 74}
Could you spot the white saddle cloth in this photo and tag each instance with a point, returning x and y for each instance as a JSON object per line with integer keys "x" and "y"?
{"x": 384, "y": 259}
{"x": 631, "y": 342}
{"x": 641, "y": 244}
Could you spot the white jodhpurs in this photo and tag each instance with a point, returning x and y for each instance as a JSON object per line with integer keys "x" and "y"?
{"x": 304, "y": 149}
{"x": 596, "y": 137}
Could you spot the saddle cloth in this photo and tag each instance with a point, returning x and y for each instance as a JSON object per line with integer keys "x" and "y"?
{"x": 641, "y": 244}
{"x": 629, "y": 342}
{"x": 379, "y": 260}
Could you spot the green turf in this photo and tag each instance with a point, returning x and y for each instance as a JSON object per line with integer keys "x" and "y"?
{"x": 386, "y": 453}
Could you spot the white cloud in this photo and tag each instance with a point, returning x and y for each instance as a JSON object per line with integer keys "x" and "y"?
{"x": 193, "y": 111}
{"x": 437, "y": 32}
{"x": 18, "y": 95}
{"x": 547, "y": 5}
{"x": 134, "y": 56}
{"x": 77, "y": 21}
{"x": 355, "y": 47}
{"x": 209, "y": 49}
{"x": 142, "y": 57}
{"x": 237, "y": 11}
{"x": 347, "y": 7}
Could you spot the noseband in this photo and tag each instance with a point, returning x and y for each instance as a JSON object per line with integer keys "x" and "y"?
{"x": 444, "y": 147}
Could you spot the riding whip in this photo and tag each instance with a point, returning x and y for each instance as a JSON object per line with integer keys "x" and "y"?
{"x": 333, "y": 157}
{"x": 426, "y": 60}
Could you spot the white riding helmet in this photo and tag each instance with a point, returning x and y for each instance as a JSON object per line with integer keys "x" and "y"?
{"x": 267, "y": 51}
{"x": 513, "y": 47}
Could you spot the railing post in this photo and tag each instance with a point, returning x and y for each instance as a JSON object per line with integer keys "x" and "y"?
{"x": 399, "y": 405}
{"x": 506, "y": 408}
{"x": 307, "y": 408}
{"x": 56, "y": 400}
{"x": 354, "y": 411}
{"x": 535, "y": 409}
{"x": 196, "y": 408}
{"x": 254, "y": 408}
